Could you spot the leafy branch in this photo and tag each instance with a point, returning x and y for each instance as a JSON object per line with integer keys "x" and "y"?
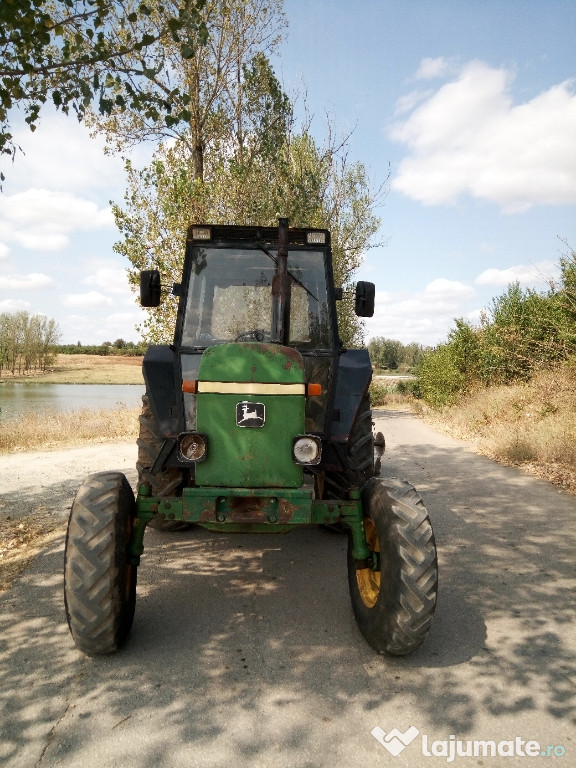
{"x": 78, "y": 52}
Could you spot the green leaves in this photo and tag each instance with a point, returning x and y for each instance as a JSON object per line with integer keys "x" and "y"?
{"x": 147, "y": 39}
{"x": 75, "y": 52}
{"x": 26, "y": 342}
{"x": 522, "y": 332}
{"x": 187, "y": 50}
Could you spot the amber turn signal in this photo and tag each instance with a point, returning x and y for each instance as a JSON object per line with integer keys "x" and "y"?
{"x": 314, "y": 389}
{"x": 189, "y": 386}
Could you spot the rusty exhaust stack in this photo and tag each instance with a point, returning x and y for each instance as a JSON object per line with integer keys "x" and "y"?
{"x": 281, "y": 287}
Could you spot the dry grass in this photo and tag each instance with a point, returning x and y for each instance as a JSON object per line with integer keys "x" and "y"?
{"x": 23, "y": 538}
{"x": 88, "y": 369}
{"x": 531, "y": 425}
{"x": 52, "y": 429}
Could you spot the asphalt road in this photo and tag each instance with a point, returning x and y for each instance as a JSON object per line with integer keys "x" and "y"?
{"x": 244, "y": 651}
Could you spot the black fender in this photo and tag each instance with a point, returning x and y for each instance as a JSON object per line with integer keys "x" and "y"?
{"x": 352, "y": 382}
{"x": 161, "y": 375}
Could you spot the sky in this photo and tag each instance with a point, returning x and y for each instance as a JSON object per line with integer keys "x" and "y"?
{"x": 465, "y": 109}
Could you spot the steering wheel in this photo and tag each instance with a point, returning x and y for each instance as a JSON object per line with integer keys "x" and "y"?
{"x": 258, "y": 334}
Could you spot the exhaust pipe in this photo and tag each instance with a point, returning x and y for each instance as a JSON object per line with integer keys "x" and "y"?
{"x": 281, "y": 288}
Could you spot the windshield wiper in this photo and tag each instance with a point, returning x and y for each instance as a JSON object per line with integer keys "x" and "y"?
{"x": 293, "y": 276}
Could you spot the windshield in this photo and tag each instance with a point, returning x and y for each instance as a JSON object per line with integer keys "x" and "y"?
{"x": 230, "y": 298}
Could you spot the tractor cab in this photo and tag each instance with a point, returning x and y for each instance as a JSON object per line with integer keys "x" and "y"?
{"x": 229, "y": 297}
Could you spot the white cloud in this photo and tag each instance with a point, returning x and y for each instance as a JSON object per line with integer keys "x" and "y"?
{"x": 4, "y": 251}
{"x": 408, "y": 102}
{"x": 425, "y": 316}
{"x": 40, "y": 219}
{"x": 126, "y": 318}
{"x": 92, "y": 299}
{"x": 122, "y": 324}
{"x": 113, "y": 279}
{"x": 90, "y": 330}
{"x": 430, "y": 69}
{"x": 81, "y": 328}
{"x": 61, "y": 155}
{"x": 14, "y": 305}
{"x": 468, "y": 137}
{"x": 448, "y": 289}
{"x": 33, "y": 281}
{"x": 530, "y": 275}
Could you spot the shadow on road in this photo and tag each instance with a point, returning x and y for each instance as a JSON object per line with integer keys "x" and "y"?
{"x": 244, "y": 648}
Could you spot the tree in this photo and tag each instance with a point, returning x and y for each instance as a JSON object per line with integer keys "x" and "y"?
{"x": 413, "y": 354}
{"x": 390, "y": 353}
{"x": 522, "y": 332}
{"x": 440, "y": 381}
{"x": 313, "y": 186}
{"x": 566, "y": 300}
{"x": 27, "y": 342}
{"x": 76, "y": 52}
{"x": 237, "y": 158}
{"x": 216, "y": 91}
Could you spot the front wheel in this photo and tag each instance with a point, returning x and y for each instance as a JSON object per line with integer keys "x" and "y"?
{"x": 394, "y": 601}
{"x": 99, "y": 582}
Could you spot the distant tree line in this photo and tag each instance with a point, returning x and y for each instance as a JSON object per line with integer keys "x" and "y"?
{"x": 118, "y": 347}
{"x": 389, "y": 354}
{"x": 523, "y": 331}
{"x": 27, "y": 342}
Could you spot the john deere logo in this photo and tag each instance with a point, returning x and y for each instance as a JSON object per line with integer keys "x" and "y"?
{"x": 250, "y": 414}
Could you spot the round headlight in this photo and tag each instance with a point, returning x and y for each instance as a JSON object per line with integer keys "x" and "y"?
{"x": 307, "y": 450}
{"x": 192, "y": 447}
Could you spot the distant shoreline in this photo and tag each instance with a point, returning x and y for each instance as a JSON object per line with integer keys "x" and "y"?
{"x": 84, "y": 369}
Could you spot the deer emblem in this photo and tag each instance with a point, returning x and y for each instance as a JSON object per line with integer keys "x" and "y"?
{"x": 250, "y": 414}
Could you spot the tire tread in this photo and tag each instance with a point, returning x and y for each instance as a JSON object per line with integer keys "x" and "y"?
{"x": 95, "y": 567}
{"x": 401, "y": 619}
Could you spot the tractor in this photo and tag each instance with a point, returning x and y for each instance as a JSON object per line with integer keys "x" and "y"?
{"x": 256, "y": 419}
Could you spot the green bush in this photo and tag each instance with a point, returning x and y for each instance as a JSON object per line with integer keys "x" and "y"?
{"x": 378, "y": 393}
{"x": 440, "y": 381}
{"x": 409, "y": 387}
{"x": 522, "y": 332}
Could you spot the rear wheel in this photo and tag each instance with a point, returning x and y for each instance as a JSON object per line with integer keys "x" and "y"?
{"x": 167, "y": 482}
{"x": 394, "y": 601}
{"x": 359, "y": 456}
{"x": 361, "y": 445}
{"x": 99, "y": 582}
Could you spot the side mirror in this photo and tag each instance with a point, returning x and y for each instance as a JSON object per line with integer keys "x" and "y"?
{"x": 150, "y": 288}
{"x": 365, "y": 293}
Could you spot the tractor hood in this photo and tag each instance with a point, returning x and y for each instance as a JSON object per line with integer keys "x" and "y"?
{"x": 250, "y": 405}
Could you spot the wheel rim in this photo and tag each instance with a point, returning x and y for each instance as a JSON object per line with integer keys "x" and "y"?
{"x": 367, "y": 579}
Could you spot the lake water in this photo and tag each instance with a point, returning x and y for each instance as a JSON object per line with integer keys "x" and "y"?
{"x": 16, "y": 399}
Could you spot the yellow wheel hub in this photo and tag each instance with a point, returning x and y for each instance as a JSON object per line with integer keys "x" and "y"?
{"x": 369, "y": 580}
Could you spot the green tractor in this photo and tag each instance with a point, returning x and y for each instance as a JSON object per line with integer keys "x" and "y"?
{"x": 256, "y": 419}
